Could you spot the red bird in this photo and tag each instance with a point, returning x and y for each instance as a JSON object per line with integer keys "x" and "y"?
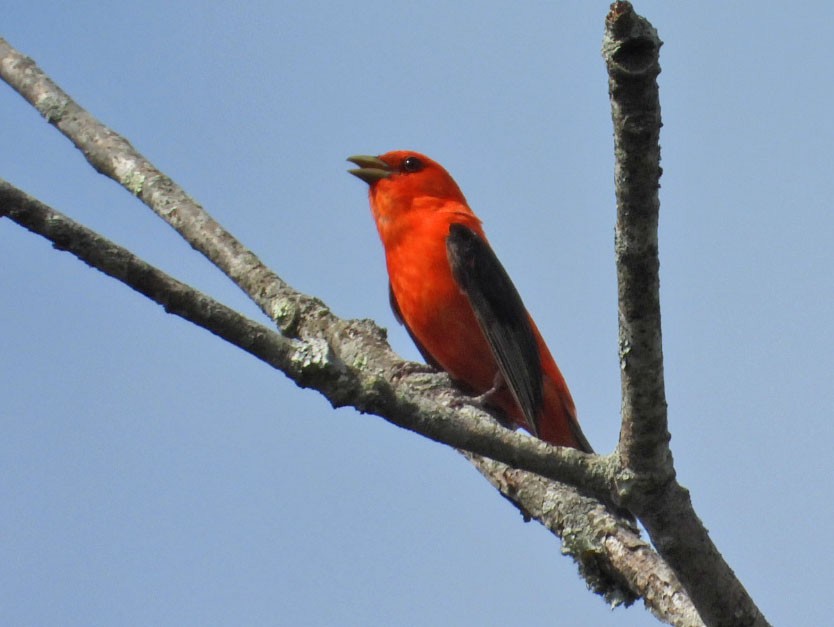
{"x": 456, "y": 301}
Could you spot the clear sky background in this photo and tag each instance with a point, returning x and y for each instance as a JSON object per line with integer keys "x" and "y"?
{"x": 151, "y": 474}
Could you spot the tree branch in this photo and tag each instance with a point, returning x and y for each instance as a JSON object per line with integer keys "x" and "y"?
{"x": 175, "y": 297}
{"x": 113, "y": 156}
{"x": 354, "y": 367}
{"x": 611, "y": 557}
{"x": 647, "y": 482}
{"x": 627, "y": 557}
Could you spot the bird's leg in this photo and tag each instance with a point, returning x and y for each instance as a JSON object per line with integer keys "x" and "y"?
{"x": 484, "y": 401}
{"x": 497, "y": 384}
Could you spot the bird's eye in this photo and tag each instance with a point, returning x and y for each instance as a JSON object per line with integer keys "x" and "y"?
{"x": 412, "y": 164}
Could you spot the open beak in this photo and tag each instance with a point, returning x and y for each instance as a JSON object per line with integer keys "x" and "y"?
{"x": 371, "y": 169}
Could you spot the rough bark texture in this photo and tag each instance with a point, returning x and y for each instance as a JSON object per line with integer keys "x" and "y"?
{"x": 647, "y": 481}
{"x": 624, "y": 558}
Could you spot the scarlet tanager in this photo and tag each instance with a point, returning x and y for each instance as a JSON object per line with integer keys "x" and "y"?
{"x": 456, "y": 301}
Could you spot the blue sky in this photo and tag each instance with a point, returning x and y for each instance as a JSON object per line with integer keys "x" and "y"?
{"x": 151, "y": 474}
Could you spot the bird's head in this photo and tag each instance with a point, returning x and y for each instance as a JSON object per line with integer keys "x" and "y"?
{"x": 402, "y": 180}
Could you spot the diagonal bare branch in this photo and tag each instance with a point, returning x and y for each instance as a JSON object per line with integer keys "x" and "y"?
{"x": 299, "y": 315}
{"x": 113, "y": 156}
{"x": 175, "y": 297}
{"x": 356, "y": 367}
{"x": 628, "y": 557}
{"x": 600, "y": 542}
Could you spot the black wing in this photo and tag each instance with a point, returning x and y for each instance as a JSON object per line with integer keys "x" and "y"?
{"x": 501, "y": 316}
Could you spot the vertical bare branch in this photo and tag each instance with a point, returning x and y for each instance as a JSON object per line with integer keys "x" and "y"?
{"x": 631, "y": 51}
{"x": 647, "y": 482}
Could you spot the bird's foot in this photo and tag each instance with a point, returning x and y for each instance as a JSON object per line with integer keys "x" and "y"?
{"x": 484, "y": 399}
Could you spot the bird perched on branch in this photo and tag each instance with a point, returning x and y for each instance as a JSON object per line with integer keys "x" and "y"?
{"x": 456, "y": 301}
